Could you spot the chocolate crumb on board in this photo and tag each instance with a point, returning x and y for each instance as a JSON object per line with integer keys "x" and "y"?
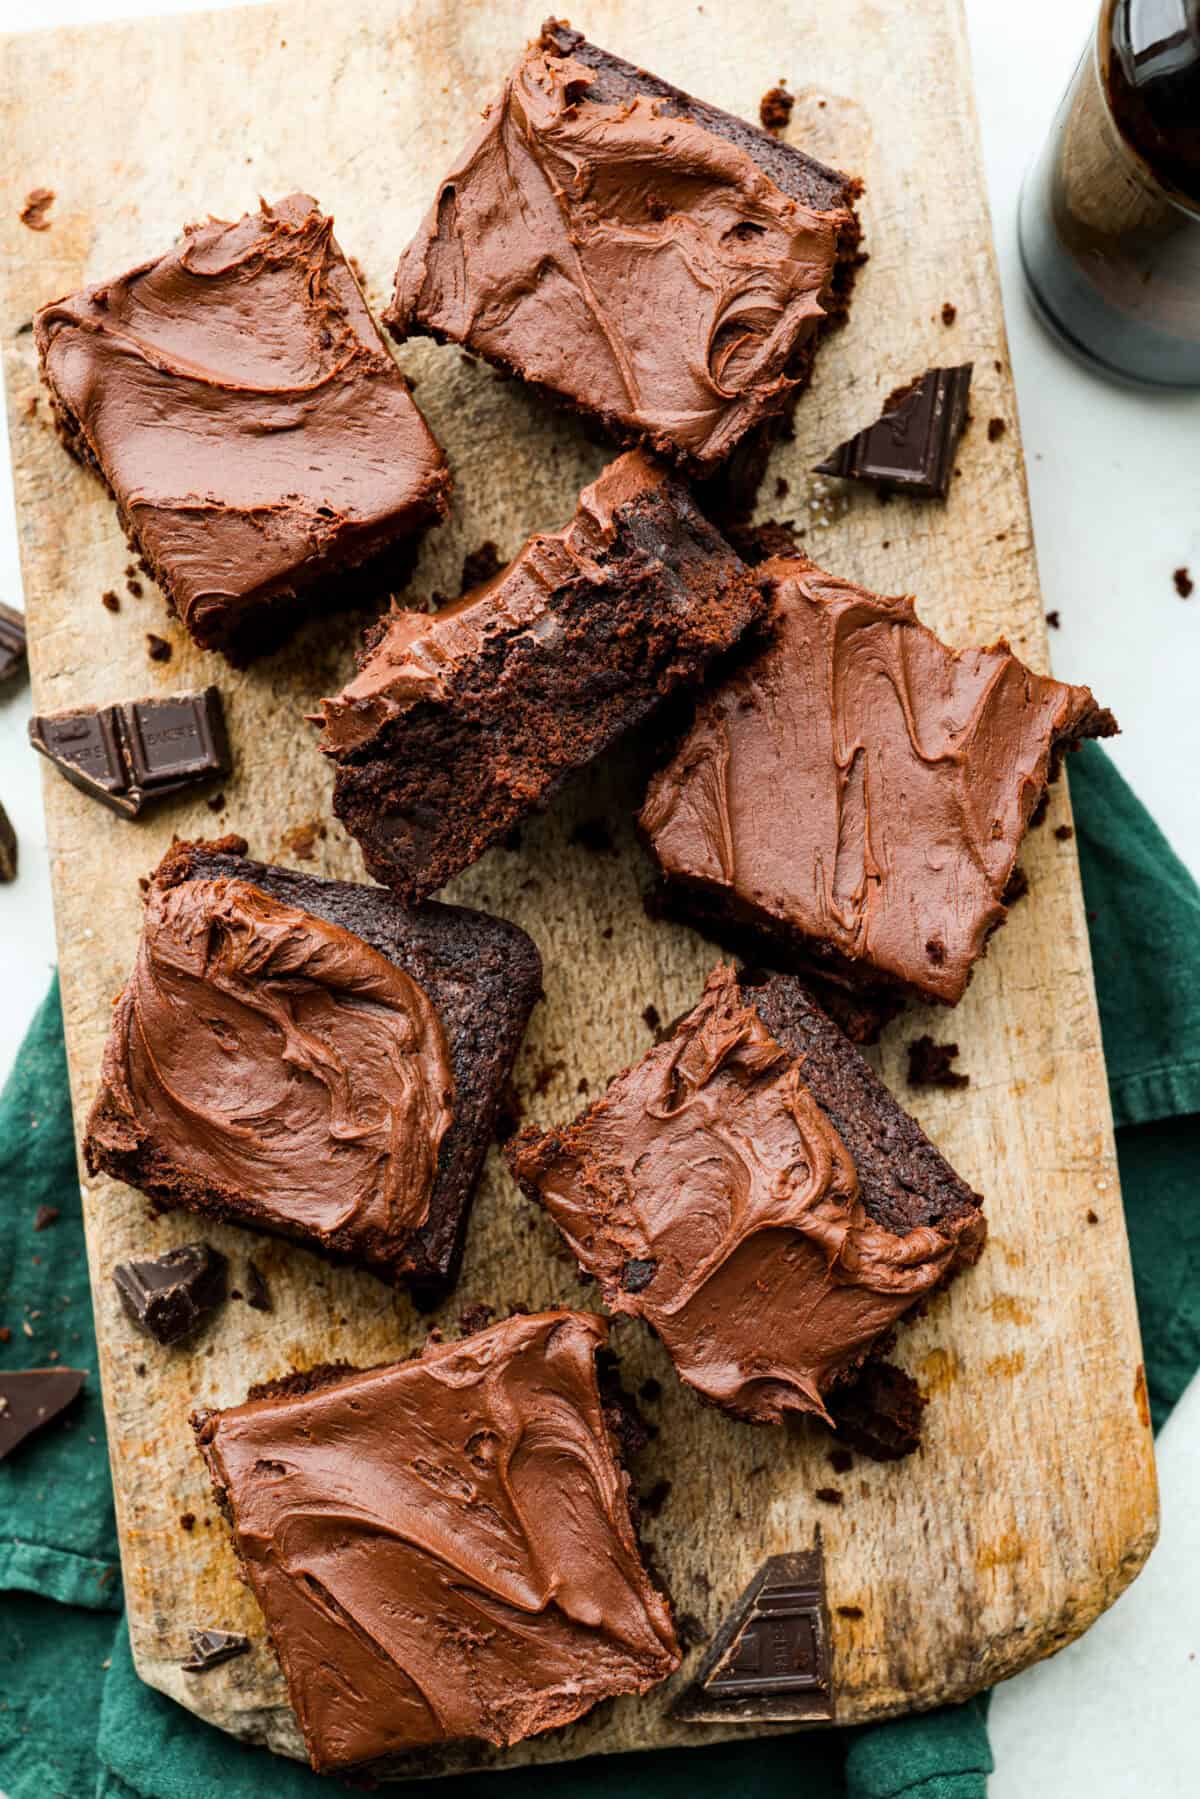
{"x": 929, "y": 1064}
{"x": 157, "y": 648}
{"x": 650, "y": 1389}
{"x": 481, "y": 565}
{"x": 849, "y": 1611}
{"x": 216, "y": 803}
{"x": 1185, "y": 587}
{"x": 134, "y": 589}
{"x": 782, "y": 488}
{"x": 1053, "y": 620}
{"x": 829, "y": 1495}
{"x": 841, "y": 1461}
{"x": 476, "y": 1318}
{"x": 775, "y": 108}
{"x": 949, "y": 313}
{"x": 593, "y": 834}
{"x": 45, "y": 1216}
{"x": 651, "y": 1503}
{"x": 8, "y": 848}
{"x": 653, "y": 1020}
{"x": 258, "y": 1294}
{"x": 545, "y": 1075}
{"x": 996, "y": 430}
{"x": 212, "y": 1647}
{"x": 110, "y": 601}
{"x": 187, "y": 1520}
{"x": 38, "y": 202}
{"x": 1064, "y": 833}
{"x": 1017, "y": 887}
{"x": 1092, "y": 1217}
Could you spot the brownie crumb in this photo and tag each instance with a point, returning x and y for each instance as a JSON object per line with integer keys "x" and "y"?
{"x": 45, "y": 1217}
{"x": 157, "y": 648}
{"x": 1053, "y": 620}
{"x": 996, "y": 430}
{"x": 653, "y": 1021}
{"x": 110, "y": 601}
{"x": 775, "y": 108}
{"x": 545, "y": 1074}
{"x": 481, "y": 565}
{"x": 1017, "y": 888}
{"x": 841, "y": 1461}
{"x": 930, "y": 1064}
{"x": 652, "y": 1503}
{"x": 216, "y": 803}
{"x": 258, "y": 1294}
{"x": 593, "y": 834}
{"x": 37, "y": 204}
{"x": 1064, "y": 833}
{"x": 1092, "y": 1217}
{"x": 475, "y": 1318}
{"x": 583, "y": 1085}
{"x": 1185, "y": 587}
{"x": 134, "y": 588}
{"x": 829, "y": 1495}
{"x": 781, "y": 488}
{"x": 949, "y": 313}
{"x": 850, "y": 1611}
{"x": 187, "y": 1520}
{"x": 650, "y": 1389}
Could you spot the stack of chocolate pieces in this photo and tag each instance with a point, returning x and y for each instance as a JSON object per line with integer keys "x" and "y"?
{"x": 446, "y": 1548}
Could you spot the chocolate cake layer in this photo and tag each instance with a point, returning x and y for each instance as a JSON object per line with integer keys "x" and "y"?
{"x": 596, "y": 203}
{"x": 443, "y": 1549}
{"x": 851, "y": 801}
{"x": 754, "y": 1193}
{"x": 461, "y": 722}
{"x": 238, "y": 402}
{"x": 310, "y": 1058}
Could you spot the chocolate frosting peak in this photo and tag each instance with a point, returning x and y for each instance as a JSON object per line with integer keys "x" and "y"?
{"x": 711, "y": 1164}
{"x": 624, "y": 255}
{"x": 443, "y": 1548}
{"x": 243, "y": 407}
{"x": 862, "y": 785}
{"x": 410, "y": 659}
{"x": 260, "y": 1048}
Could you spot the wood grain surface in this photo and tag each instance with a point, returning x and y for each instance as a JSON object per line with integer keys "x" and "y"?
{"x": 1032, "y": 1503}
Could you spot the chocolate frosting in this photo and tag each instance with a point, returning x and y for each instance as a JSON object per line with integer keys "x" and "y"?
{"x": 710, "y": 1195}
{"x": 624, "y": 256}
{"x": 443, "y": 1548}
{"x": 861, "y": 785}
{"x": 411, "y": 659}
{"x": 272, "y": 1055}
{"x": 243, "y": 408}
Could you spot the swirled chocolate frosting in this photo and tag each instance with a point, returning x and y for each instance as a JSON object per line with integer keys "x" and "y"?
{"x": 629, "y": 253}
{"x": 859, "y": 790}
{"x": 443, "y": 1548}
{"x": 709, "y": 1194}
{"x": 238, "y": 400}
{"x": 289, "y": 1073}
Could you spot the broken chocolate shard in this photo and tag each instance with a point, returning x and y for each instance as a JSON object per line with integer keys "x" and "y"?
{"x": 171, "y": 1296}
{"x": 138, "y": 751}
{"x": 212, "y": 1647}
{"x": 8, "y": 848}
{"x": 770, "y": 1660}
{"x": 30, "y": 1398}
{"x": 912, "y": 445}
{"x": 12, "y": 643}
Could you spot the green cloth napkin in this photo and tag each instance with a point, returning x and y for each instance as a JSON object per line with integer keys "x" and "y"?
{"x": 76, "y": 1721}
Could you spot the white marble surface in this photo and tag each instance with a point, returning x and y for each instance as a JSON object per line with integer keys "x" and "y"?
{"x": 1114, "y": 489}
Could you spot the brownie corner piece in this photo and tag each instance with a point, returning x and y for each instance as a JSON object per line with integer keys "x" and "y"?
{"x": 235, "y": 397}
{"x": 775, "y": 841}
{"x": 459, "y": 723}
{"x": 685, "y": 213}
{"x": 526, "y": 1599}
{"x": 717, "y": 1183}
{"x": 311, "y": 1059}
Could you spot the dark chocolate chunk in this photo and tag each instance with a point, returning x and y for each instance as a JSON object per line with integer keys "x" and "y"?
{"x": 212, "y": 1647}
{"x": 138, "y": 751}
{"x": 930, "y": 1064}
{"x": 173, "y": 1295}
{"x": 769, "y": 1661}
{"x": 8, "y": 848}
{"x": 258, "y": 1294}
{"x": 30, "y": 1398}
{"x": 12, "y": 643}
{"x": 912, "y": 445}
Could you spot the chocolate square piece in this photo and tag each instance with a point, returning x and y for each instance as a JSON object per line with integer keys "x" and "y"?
{"x": 659, "y": 265}
{"x": 30, "y": 1399}
{"x": 238, "y": 402}
{"x": 171, "y": 1296}
{"x": 788, "y": 1211}
{"x": 461, "y": 722}
{"x": 850, "y": 802}
{"x": 310, "y": 1058}
{"x": 139, "y": 751}
{"x": 770, "y": 1660}
{"x": 443, "y": 1549}
{"x": 911, "y": 447}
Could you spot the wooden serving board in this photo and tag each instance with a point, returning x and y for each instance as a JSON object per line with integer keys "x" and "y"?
{"x": 1032, "y": 1503}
